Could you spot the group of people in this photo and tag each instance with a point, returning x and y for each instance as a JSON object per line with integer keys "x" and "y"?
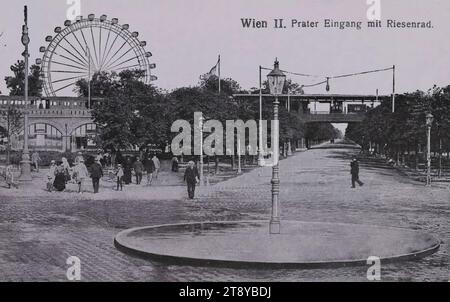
{"x": 124, "y": 173}
{"x": 61, "y": 173}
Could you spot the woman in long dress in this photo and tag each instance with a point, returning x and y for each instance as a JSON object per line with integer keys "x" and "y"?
{"x": 66, "y": 167}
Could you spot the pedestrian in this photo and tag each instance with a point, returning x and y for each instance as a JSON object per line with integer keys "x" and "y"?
{"x": 80, "y": 174}
{"x": 119, "y": 176}
{"x": 66, "y": 167}
{"x": 138, "y": 170}
{"x": 127, "y": 171}
{"x": 354, "y": 170}
{"x": 175, "y": 164}
{"x": 99, "y": 157}
{"x": 96, "y": 174}
{"x": 191, "y": 177}
{"x": 59, "y": 182}
{"x": 157, "y": 165}
{"x": 10, "y": 179}
{"x": 35, "y": 159}
{"x": 78, "y": 158}
{"x": 51, "y": 176}
{"x": 149, "y": 169}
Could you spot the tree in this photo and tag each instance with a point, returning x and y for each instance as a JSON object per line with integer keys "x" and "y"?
{"x": 393, "y": 134}
{"x": 16, "y": 83}
{"x": 12, "y": 118}
{"x": 131, "y": 114}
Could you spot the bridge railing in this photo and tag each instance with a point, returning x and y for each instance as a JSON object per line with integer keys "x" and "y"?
{"x": 59, "y": 112}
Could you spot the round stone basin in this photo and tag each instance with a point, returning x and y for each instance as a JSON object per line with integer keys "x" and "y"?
{"x": 245, "y": 244}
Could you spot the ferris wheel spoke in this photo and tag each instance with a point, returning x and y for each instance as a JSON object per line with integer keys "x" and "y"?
{"x": 110, "y": 48}
{"x": 65, "y": 79}
{"x": 79, "y": 43}
{"x": 68, "y": 65}
{"x": 123, "y": 62}
{"x": 72, "y": 60}
{"x": 102, "y": 60}
{"x": 64, "y": 87}
{"x": 75, "y": 49}
{"x": 72, "y": 54}
{"x": 85, "y": 41}
{"x": 112, "y": 57}
{"x": 100, "y": 47}
{"x": 95, "y": 48}
{"x": 119, "y": 58}
{"x": 69, "y": 71}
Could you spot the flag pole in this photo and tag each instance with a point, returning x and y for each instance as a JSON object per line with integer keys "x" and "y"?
{"x": 393, "y": 89}
{"x": 219, "y": 74}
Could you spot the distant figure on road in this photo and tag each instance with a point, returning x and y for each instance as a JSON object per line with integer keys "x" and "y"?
{"x": 51, "y": 176}
{"x": 96, "y": 174}
{"x": 59, "y": 183}
{"x": 354, "y": 165}
{"x": 175, "y": 164}
{"x": 157, "y": 165}
{"x": 138, "y": 170}
{"x": 66, "y": 166}
{"x": 119, "y": 175}
{"x": 79, "y": 158}
{"x": 80, "y": 173}
{"x": 35, "y": 159}
{"x": 10, "y": 181}
{"x": 191, "y": 177}
{"x": 149, "y": 168}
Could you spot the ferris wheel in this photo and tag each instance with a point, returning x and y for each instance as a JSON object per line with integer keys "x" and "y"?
{"x": 89, "y": 45}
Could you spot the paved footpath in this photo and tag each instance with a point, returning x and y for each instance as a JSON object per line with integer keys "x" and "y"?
{"x": 39, "y": 230}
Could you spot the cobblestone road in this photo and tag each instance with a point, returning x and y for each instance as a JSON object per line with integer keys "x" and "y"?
{"x": 39, "y": 230}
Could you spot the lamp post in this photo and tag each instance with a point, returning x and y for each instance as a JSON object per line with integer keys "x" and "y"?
{"x": 260, "y": 147}
{"x": 276, "y": 80}
{"x": 429, "y": 122}
{"x": 25, "y": 164}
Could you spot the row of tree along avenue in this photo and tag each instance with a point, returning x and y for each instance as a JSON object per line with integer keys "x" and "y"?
{"x": 402, "y": 135}
{"x": 131, "y": 114}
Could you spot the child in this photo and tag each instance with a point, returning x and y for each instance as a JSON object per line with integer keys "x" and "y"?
{"x": 119, "y": 175}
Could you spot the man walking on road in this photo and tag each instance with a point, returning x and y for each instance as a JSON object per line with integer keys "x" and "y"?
{"x": 354, "y": 170}
{"x": 35, "y": 159}
{"x": 149, "y": 168}
{"x": 138, "y": 169}
{"x": 96, "y": 174}
{"x": 157, "y": 164}
{"x": 191, "y": 177}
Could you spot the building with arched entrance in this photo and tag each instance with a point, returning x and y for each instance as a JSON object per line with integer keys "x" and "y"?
{"x": 62, "y": 124}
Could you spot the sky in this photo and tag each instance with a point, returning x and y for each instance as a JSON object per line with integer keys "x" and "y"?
{"x": 186, "y": 37}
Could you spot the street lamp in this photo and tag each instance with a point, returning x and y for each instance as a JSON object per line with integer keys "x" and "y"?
{"x": 276, "y": 79}
{"x": 25, "y": 164}
{"x": 260, "y": 147}
{"x": 429, "y": 122}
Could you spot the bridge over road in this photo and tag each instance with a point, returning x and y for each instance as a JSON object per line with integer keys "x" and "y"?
{"x": 319, "y": 108}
